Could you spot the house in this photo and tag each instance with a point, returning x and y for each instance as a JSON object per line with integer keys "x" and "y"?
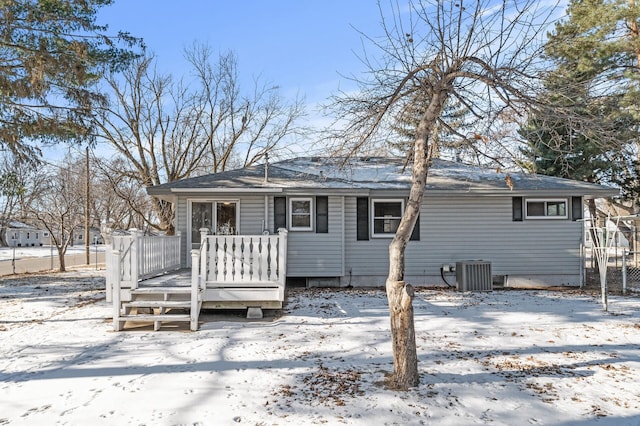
{"x": 341, "y": 217}
{"x": 95, "y": 237}
{"x": 19, "y": 234}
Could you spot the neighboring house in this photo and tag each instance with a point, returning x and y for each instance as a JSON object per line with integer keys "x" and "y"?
{"x": 341, "y": 219}
{"x": 619, "y": 240}
{"x": 20, "y": 234}
{"x": 95, "y": 237}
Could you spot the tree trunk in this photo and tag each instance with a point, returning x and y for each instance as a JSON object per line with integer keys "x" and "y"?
{"x": 403, "y": 336}
{"x": 399, "y": 294}
{"x": 593, "y": 213}
{"x": 3, "y": 237}
{"x": 63, "y": 267}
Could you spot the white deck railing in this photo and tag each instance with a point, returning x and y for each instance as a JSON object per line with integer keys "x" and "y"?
{"x": 134, "y": 257}
{"x": 243, "y": 261}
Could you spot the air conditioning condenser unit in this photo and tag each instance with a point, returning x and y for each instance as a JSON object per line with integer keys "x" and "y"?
{"x": 474, "y": 275}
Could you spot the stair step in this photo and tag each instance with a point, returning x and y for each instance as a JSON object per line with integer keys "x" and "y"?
{"x": 158, "y": 304}
{"x": 161, "y": 317}
{"x": 162, "y": 290}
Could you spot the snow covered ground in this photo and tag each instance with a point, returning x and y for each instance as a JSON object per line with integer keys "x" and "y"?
{"x": 500, "y": 358}
{"x": 8, "y": 253}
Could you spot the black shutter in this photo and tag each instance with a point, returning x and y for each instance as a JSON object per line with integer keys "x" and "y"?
{"x": 362, "y": 214}
{"x": 322, "y": 215}
{"x": 415, "y": 235}
{"x": 517, "y": 209}
{"x": 576, "y": 208}
{"x": 279, "y": 213}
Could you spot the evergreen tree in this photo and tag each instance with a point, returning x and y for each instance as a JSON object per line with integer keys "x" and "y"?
{"x": 451, "y": 132}
{"x": 587, "y": 126}
{"x": 51, "y": 53}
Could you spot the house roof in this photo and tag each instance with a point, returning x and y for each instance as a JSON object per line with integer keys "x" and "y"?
{"x": 14, "y": 224}
{"x": 376, "y": 174}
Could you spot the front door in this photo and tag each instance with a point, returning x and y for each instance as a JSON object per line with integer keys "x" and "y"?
{"x": 219, "y": 217}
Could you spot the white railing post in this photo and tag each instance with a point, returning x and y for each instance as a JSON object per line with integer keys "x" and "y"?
{"x": 204, "y": 258}
{"x": 624, "y": 271}
{"x": 204, "y": 255}
{"x": 175, "y": 248}
{"x": 115, "y": 297}
{"x": 134, "y": 257}
{"x": 195, "y": 289}
{"x": 282, "y": 261}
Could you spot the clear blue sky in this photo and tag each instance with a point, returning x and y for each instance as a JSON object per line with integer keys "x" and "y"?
{"x": 300, "y": 45}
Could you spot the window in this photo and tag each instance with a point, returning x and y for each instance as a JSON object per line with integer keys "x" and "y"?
{"x": 300, "y": 214}
{"x": 546, "y": 209}
{"x": 386, "y": 217}
{"x": 226, "y": 216}
{"x": 279, "y": 213}
{"x": 219, "y": 217}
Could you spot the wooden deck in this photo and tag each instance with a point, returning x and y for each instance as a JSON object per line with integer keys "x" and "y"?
{"x": 227, "y": 272}
{"x": 178, "y": 278}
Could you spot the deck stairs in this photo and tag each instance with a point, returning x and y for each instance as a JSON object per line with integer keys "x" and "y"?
{"x": 165, "y": 300}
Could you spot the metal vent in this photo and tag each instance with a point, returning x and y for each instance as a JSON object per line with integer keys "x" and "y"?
{"x": 474, "y": 275}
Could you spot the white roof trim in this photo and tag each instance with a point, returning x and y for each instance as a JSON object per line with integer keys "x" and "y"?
{"x": 226, "y": 190}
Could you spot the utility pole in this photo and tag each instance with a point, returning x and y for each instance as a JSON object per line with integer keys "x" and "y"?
{"x": 86, "y": 211}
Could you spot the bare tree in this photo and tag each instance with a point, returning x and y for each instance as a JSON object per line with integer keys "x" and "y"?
{"x": 239, "y": 127}
{"x": 165, "y": 130}
{"x": 118, "y": 199}
{"x": 60, "y": 205}
{"x": 479, "y": 53}
{"x": 20, "y": 186}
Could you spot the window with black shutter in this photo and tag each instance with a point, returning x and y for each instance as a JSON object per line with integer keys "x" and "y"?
{"x": 415, "y": 235}
{"x": 362, "y": 215}
{"x": 322, "y": 215}
{"x": 517, "y": 209}
{"x": 576, "y": 208}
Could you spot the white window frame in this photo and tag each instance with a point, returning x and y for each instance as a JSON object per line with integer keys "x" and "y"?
{"x": 545, "y": 201}
{"x": 290, "y": 214}
{"x": 373, "y": 217}
{"x": 214, "y": 219}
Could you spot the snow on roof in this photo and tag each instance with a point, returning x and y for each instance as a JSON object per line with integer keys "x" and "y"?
{"x": 378, "y": 173}
{"x": 14, "y": 224}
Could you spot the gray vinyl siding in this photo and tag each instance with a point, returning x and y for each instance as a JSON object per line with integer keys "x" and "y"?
{"x": 482, "y": 228}
{"x": 451, "y": 229}
{"x": 251, "y": 214}
{"x": 363, "y": 257}
{"x": 472, "y": 228}
{"x": 181, "y": 226}
{"x": 309, "y": 254}
{"x": 318, "y": 255}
